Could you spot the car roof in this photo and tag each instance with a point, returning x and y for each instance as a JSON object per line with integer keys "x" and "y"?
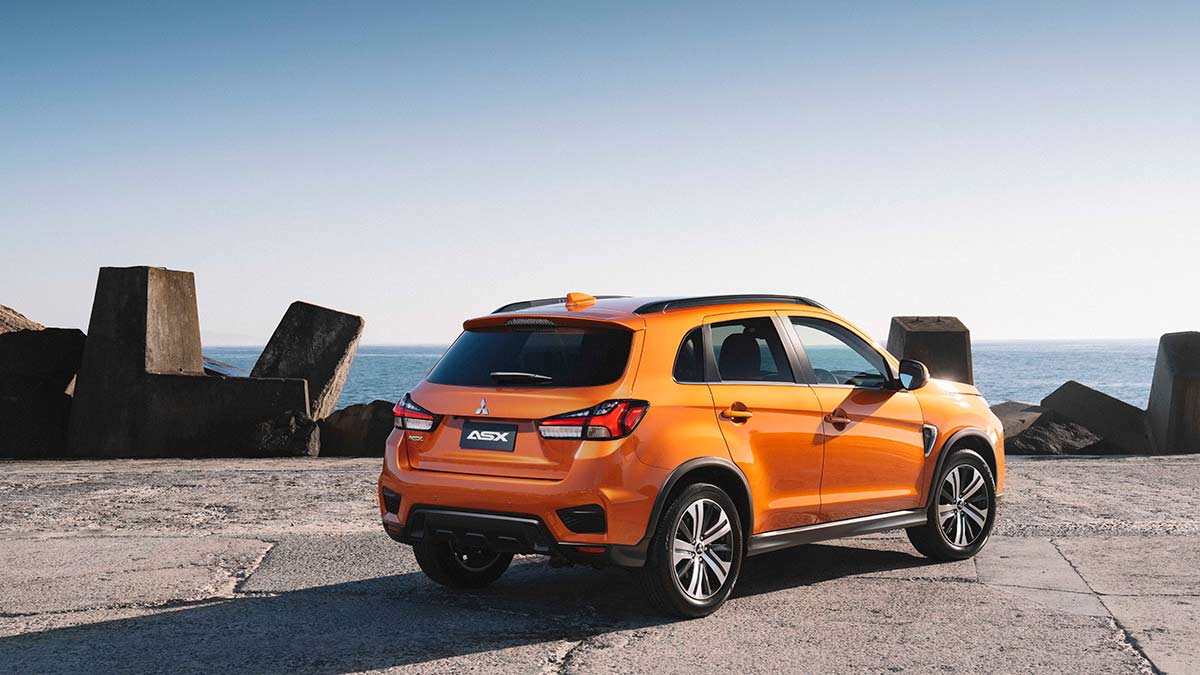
{"x": 610, "y": 307}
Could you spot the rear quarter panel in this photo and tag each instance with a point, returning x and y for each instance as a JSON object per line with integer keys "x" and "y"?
{"x": 681, "y": 423}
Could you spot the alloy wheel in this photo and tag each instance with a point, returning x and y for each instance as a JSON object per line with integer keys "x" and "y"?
{"x": 963, "y": 505}
{"x": 702, "y": 549}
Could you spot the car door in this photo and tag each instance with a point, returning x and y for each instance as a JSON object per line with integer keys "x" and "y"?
{"x": 874, "y": 455}
{"x": 771, "y": 423}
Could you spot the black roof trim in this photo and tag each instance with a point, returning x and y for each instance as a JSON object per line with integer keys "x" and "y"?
{"x": 527, "y": 304}
{"x": 680, "y": 303}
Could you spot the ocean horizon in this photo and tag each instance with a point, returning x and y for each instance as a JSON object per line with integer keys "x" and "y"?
{"x": 1005, "y": 370}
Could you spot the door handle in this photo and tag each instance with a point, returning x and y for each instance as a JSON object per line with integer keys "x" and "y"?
{"x": 736, "y": 415}
{"x": 838, "y": 418}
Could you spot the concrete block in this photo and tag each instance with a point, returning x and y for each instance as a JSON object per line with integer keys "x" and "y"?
{"x": 358, "y": 430}
{"x": 42, "y": 360}
{"x": 287, "y": 435}
{"x": 315, "y": 344}
{"x": 141, "y": 389}
{"x": 1175, "y": 394}
{"x": 1033, "y": 430}
{"x": 37, "y": 368}
{"x": 1117, "y": 422}
{"x": 1016, "y": 416}
{"x": 942, "y": 343}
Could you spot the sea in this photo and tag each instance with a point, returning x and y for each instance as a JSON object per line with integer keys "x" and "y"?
{"x": 1004, "y": 371}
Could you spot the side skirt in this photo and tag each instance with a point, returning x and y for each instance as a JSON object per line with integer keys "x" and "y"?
{"x": 781, "y": 539}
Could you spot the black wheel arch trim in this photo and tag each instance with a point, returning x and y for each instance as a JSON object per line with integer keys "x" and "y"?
{"x": 635, "y": 555}
{"x": 949, "y": 443}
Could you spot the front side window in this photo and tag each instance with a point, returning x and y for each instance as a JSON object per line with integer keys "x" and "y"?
{"x": 749, "y": 350}
{"x": 838, "y": 356}
{"x": 551, "y": 357}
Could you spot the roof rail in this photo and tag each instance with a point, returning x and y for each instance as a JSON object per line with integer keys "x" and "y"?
{"x": 680, "y": 303}
{"x": 526, "y": 304}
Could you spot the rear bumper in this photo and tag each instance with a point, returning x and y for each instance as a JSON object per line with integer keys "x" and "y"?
{"x": 508, "y": 533}
{"x": 609, "y": 475}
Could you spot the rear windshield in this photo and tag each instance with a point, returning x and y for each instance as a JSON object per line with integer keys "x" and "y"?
{"x": 549, "y": 357}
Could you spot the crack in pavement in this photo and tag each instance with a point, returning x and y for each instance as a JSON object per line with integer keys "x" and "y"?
{"x": 1126, "y": 637}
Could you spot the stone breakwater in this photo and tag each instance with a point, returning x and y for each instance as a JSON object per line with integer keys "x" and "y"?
{"x": 1074, "y": 418}
{"x": 137, "y": 385}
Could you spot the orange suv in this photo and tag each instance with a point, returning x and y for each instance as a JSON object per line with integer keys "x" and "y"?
{"x": 677, "y": 436}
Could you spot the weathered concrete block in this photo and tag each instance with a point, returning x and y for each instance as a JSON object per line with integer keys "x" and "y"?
{"x": 315, "y": 344}
{"x": 288, "y": 434}
{"x": 141, "y": 389}
{"x": 358, "y": 430}
{"x": 1016, "y": 416}
{"x": 34, "y": 426}
{"x": 45, "y": 360}
{"x": 942, "y": 343}
{"x": 37, "y": 368}
{"x": 1115, "y": 421}
{"x": 1033, "y": 430}
{"x": 1175, "y": 394}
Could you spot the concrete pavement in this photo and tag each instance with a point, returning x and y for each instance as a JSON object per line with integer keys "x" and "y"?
{"x": 279, "y": 566}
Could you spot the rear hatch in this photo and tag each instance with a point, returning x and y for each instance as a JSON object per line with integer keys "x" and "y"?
{"x": 497, "y": 381}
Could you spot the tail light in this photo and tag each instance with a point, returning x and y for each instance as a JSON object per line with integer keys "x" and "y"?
{"x": 603, "y": 421}
{"x": 413, "y": 417}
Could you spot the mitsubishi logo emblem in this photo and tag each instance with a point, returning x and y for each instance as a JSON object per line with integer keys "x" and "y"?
{"x": 482, "y": 409}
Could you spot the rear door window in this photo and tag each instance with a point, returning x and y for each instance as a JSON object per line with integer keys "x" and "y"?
{"x": 749, "y": 350}
{"x": 542, "y": 357}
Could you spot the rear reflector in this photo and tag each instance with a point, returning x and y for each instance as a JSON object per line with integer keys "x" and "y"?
{"x": 586, "y": 519}
{"x": 391, "y": 501}
{"x": 609, "y": 420}
{"x": 413, "y": 417}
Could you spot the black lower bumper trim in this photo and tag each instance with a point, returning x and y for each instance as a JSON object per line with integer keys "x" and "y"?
{"x": 505, "y": 532}
{"x": 467, "y": 529}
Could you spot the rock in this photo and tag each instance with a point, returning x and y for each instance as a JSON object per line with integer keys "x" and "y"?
{"x": 37, "y": 368}
{"x": 289, "y": 434}
{"x": 1034, "y": 430}
{"x": 1120, "y": 424}
{"x": 1175, "y": 394}
{"x": 315, "y": 344}
{"x": 358, "y": 430}
{"x": 12, "y": 320}
{"x": 141, "y": 389}
{"x": 942, "y": 343}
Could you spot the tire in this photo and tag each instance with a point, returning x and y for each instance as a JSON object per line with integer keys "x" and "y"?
{"x": 475, "y": 568}
{"x": 953, "y": 530}
{"x": 670, "y": 582}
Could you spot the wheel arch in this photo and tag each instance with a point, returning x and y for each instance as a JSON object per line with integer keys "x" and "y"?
{"x": 716, "y": 470}
{"x": 972, "y": 438}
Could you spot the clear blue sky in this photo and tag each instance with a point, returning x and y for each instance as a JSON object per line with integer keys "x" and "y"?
{"x": 1032, "y": 168}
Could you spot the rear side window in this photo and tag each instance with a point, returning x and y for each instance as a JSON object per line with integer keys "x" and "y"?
{"x": 689, "y": 363}
{"x": 549, "y": 357}
{"x": 749, "y": 350}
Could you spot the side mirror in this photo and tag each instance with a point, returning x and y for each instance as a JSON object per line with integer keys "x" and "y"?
{"x": 913, "y": 375}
